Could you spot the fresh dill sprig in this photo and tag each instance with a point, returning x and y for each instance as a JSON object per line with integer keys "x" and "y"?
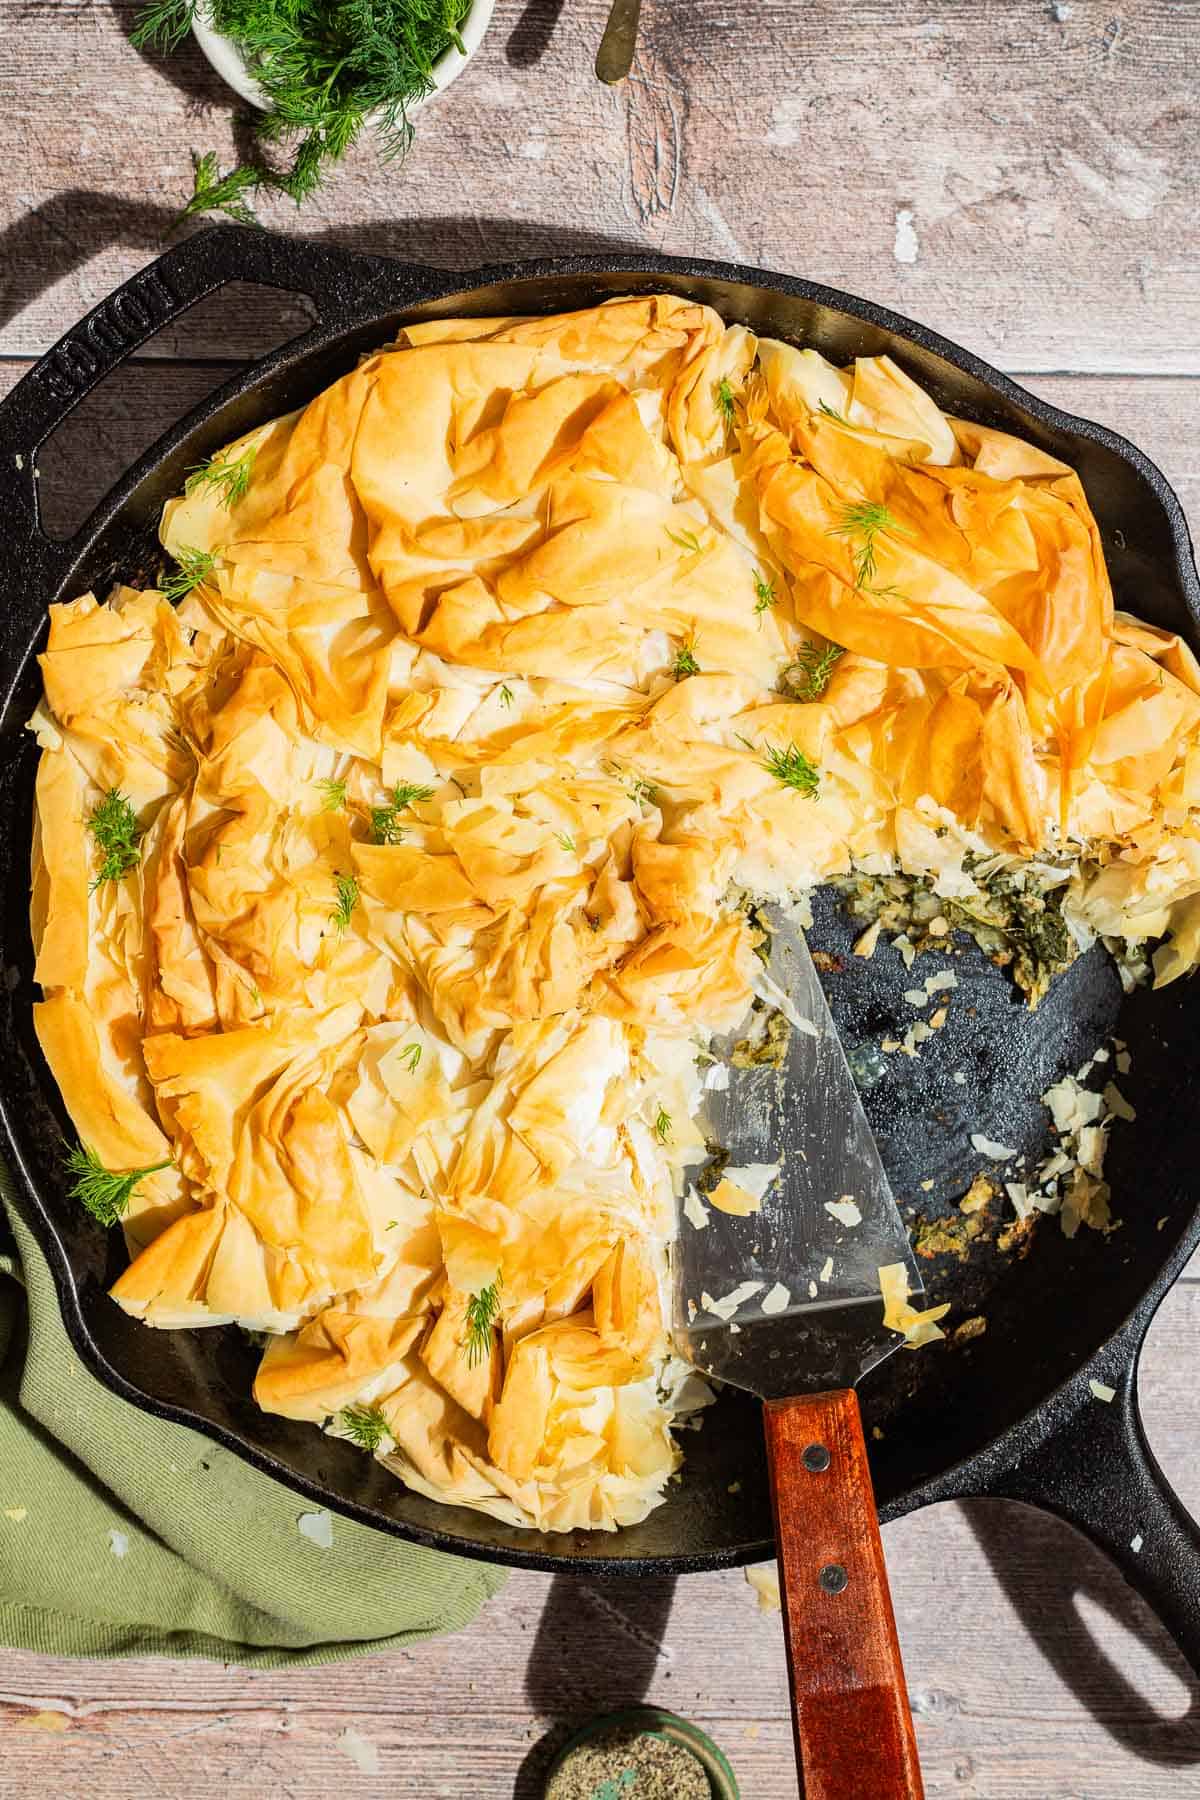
{"x": 163, "y": 24}
{"x": 663, "y": 1125}
{"x": 327, "y": 72}
{"x": 410, "y": 1056}
{"x": 230, "y": 481}
{"x": 367, "y": 1425}
{"x": 791, "y": 767}
{"x": 118, "y": 835}
{"x": 104, "y": 1194}
{"x": 195, "y": 566}
{"x": 812, "y": 670}
{"x": 506, "y": 695}
{"x": 385, "y": 825}
{"x": 407, "y": 793}
{"x": 333, "y": 794}
{"x": 864, "y": 520}
{"x": 685, "y": 663}
{"x": 687, "y": 540}
{"x": 765, "y": 595}
{"x": 214, "y": 192}
{"x": 385, "y": 820}
{"x": 567, "y": 842}
{"x": 724, "y": 394}
{"x": 831, "y": 413}
{"x": 641, "y": 791}
{"x": 482, "y": 1309}
{"x": 346, "y": 889}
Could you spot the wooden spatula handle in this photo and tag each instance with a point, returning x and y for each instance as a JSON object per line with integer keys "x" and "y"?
{"x": 854, "y": 1731}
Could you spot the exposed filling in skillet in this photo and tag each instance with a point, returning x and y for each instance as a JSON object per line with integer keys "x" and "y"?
{"x": 389, "y": 858}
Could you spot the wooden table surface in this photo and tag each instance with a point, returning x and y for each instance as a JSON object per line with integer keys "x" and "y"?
{"x": 1021, "y": 177}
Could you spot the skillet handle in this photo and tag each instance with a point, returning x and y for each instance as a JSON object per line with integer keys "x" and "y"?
{"x": 850, "y": 1711}
{"x": 1096, "y": 1471}
{"x": 334, "y": 280}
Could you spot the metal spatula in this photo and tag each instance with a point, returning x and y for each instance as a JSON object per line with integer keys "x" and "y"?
{"x": 809, "y": 1330}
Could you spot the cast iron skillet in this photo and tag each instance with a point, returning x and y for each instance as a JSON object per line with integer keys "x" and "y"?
{"x": 1009, "y": 1413}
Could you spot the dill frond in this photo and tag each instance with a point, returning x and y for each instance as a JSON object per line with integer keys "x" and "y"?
{"x": 385, "y": 826}
{"x": 663, "y": 1125}
{"x": 195, "y": 566}
{"x": 225, "y": 193}
{"x": 407, "y": 793}
{"x": 346, "y": 889}
{"x": 863, "y": 520}
{"x": 764, "y": 592}
{"x": 724, "y": 394}
{"x": 685, "y": 663}
{"x": 567, "y": 842}
{"x": 114, "y": 826}
{"x": 163, "y": 24}
{"x": 333, "y": 795}
{"x": 482, "y": 1311}
{"x": 229, "y": 480}
{"x": 410, "y": 1056}
{"x": 791, "y": 767}
{"x": 385, "y": 820}
{"x": 810, "y": 674}
{"x": 687, "y": 540}
{"x": 831, "y": 413}
{"x": 100, "y": 1191}
{"x": 506, "y": 695}
{"x": 367, "y": 1425}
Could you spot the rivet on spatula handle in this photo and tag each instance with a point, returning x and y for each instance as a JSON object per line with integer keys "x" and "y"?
{"x": 854, "y": 1731}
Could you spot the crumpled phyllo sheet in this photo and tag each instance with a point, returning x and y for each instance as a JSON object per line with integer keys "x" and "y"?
{"x": 506, "y": 670}
{"x": 294, "y": 1214}
{"x": 292, "y": 575}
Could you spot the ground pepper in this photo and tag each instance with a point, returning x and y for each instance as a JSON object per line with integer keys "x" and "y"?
{"x": 629, "y": 1764}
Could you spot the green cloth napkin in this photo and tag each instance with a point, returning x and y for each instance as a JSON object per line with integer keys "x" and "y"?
{"x": 124, "y": 1535}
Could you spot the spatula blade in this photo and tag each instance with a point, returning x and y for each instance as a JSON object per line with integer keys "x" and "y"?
{"x": 816, "y": 1269}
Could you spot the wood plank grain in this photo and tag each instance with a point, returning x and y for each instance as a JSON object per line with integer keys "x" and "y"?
{"x": 1034, "y": 1672}
{"x": 1021, "y": 178}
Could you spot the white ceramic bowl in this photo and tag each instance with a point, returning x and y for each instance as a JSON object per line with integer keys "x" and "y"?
{"x": 230, "y": 65}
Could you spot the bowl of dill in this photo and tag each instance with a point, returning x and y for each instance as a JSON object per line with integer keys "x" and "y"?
{"x": 320, "y": 74}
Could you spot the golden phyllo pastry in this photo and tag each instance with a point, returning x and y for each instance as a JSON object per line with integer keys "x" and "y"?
{"x": 391, "y": 861}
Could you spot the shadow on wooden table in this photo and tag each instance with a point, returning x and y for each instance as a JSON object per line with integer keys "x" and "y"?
{"x": 530, "y": 37}
{"x": 50, "y": 242}
{"x": 1077, "y": 1608}
{"x": 597, "y": 1649}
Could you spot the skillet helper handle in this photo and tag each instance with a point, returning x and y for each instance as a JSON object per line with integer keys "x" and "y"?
{"x": 850, "y": 1711}
{"x": 1096, "y": 1471}
{"x": 153, "y": 298}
